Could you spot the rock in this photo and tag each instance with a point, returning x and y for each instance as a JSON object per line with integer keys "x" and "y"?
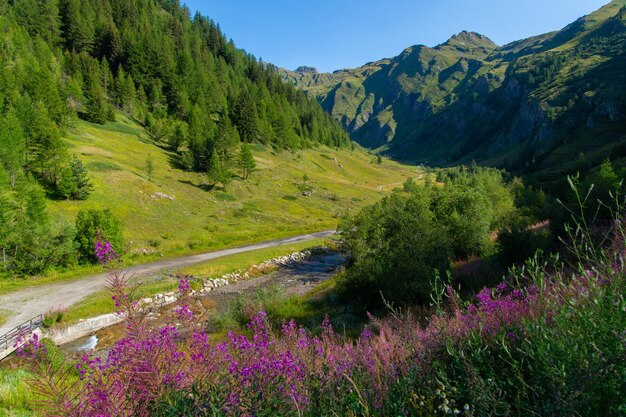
{"x": 163, "y": 196}
{"x": 144, "y": 251}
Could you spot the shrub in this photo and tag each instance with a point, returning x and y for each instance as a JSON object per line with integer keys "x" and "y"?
{"x": 90, "y": 223}
{"x": 395, "y": 245}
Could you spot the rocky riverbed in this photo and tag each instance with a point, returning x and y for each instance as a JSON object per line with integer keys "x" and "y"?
{"x": 295, "y": 274}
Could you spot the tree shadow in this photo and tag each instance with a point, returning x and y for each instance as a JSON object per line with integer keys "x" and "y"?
{"x": 203, "y": 186}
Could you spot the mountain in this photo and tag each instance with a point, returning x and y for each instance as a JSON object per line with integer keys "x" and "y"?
{"x": 529, "y": 106}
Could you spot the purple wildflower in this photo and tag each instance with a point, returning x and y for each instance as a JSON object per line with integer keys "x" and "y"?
{"x": 105, "y": 253}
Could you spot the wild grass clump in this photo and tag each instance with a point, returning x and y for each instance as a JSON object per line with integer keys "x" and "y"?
{"x": 548, "y": 341}
{"x": 53, "y": 316}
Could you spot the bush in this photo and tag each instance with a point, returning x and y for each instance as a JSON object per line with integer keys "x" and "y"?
{"x": 518, "y": 244}
{"x": 90, "y": 223}
{"x": 395, "y": 246}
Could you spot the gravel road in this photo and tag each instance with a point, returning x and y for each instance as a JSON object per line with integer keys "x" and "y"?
{"x": 29, "y": 302}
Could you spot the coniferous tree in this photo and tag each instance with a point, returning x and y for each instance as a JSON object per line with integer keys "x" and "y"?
{"x": 95, "y": 103}
{"x": 149, "y": 166}
{"x": 66, "y": 185}
{"x": 81, "y": 177}
{"x": 245, "y": 117}
{"x": 216, "y": 172}
{"x": 13, "y": 155}
{"x": 246, "y": 161}
{"x": 74, "y": 182}
{"x": 107, "y": 88}
{"x": 78, "y": 30}
{"x": 226, "y": 138}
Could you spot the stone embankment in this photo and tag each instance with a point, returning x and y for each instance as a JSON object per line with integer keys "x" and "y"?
{"x": 66, "y": 334}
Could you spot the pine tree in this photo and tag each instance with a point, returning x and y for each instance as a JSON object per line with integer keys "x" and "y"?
{"x": 79, "y": 32}
{"x": 107, "y": 87}
{"x": 246, "y": 161}
{"x": 149, "y": 166}
{"x": 74, "y": 182}
{"x": 13, "y": 155}
{"x": 95, "y": 103}
{"x": 81, "y": 176}
{"x": 66, "y": 185}
{"x": 245, "y": 117}
{"x": 226, "y": 138}
{"x": 216, "y": 172}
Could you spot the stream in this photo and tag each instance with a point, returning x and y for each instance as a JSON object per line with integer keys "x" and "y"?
{"x": 296, "y": 278}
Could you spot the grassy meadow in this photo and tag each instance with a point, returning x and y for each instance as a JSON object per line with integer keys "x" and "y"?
{"x": 188, "y": 216}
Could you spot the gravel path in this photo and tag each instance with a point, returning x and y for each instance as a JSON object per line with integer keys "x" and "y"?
{"x": 29, "y": 302}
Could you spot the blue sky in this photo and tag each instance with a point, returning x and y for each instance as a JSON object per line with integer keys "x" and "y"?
{"x": 335, "y": 34}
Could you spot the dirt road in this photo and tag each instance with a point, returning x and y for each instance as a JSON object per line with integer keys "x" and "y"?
{"x": 27, "y": 303}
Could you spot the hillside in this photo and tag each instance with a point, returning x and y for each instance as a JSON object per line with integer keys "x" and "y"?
{"x": 186, "y": 87}
{"x": 533, "y": 105}
{"x": 178, "y": 211}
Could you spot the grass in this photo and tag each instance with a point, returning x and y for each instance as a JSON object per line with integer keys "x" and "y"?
{"x": 100, "y": 302}
{"x": 200, "y": 218}
{"x": 16, "y": 400}
{"x": 309, "y": 310}
{"x": 16, "y": 397}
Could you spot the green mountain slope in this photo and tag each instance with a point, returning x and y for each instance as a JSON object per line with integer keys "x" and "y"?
{"x": 177, "y": 211}
{"x": 530, "y": 106}
{"x": 172, "y": 75}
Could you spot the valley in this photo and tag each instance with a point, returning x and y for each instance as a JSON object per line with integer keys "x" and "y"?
{"x": 187, "y": 229}
{"x": 532, "y": 106}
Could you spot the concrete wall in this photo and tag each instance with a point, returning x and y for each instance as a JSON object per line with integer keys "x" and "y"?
{"x": 84, "y": 328}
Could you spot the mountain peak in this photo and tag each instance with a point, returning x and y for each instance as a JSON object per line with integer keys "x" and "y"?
{"x": 307, "y": 70}
{"x": 466, "y": 40}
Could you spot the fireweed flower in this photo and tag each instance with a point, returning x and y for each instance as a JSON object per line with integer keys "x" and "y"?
{"x": 184, "y": 313}
{"x": 183, "y": 286}
{"x": 105, "y": 253}
{"x": 31, "y": 349}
